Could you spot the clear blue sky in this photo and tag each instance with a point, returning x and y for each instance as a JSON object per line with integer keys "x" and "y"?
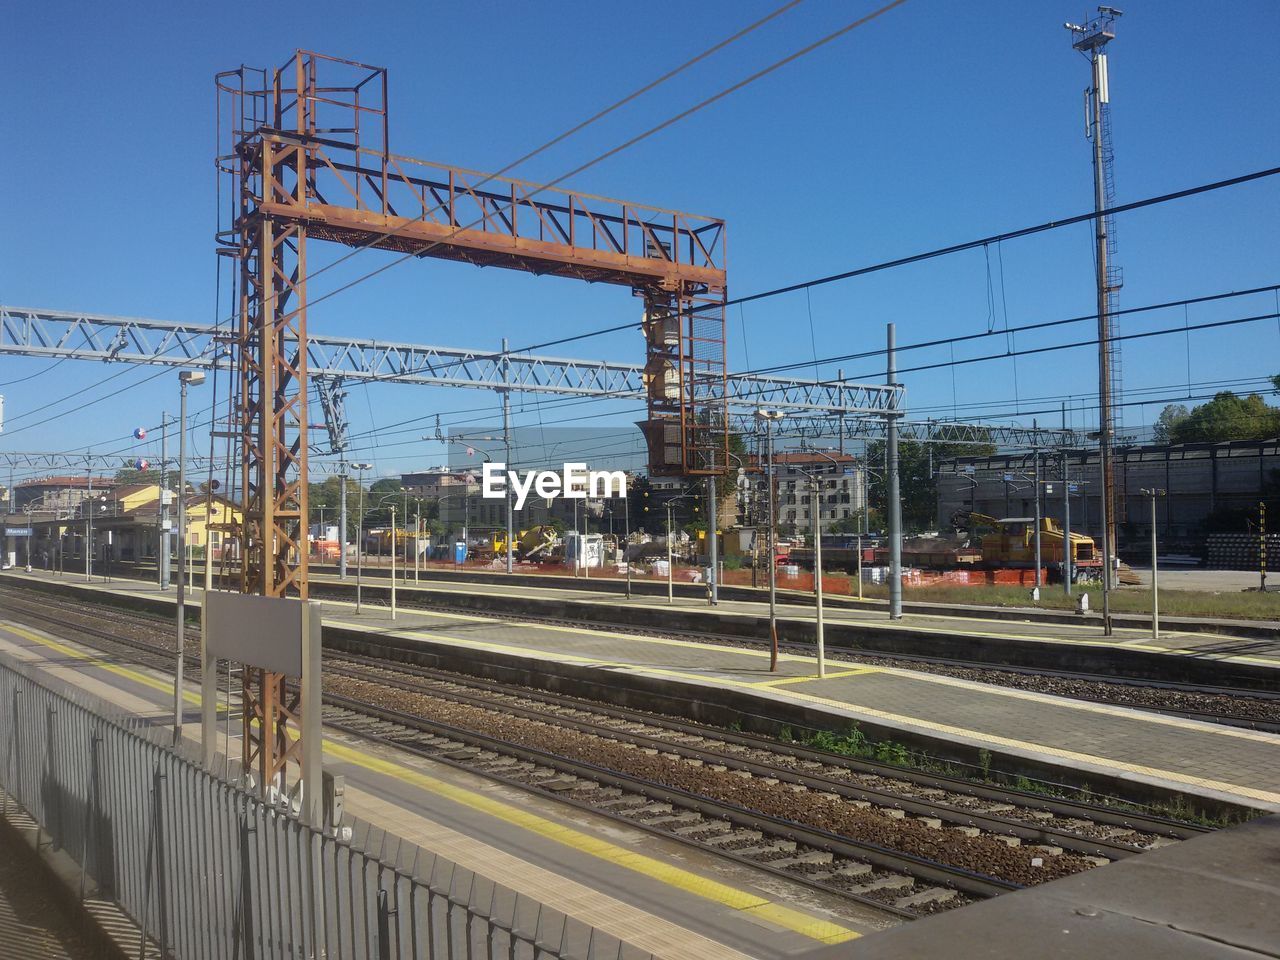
{"x": 937, "y": 123}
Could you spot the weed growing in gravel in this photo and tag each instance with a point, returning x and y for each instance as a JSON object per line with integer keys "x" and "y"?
{"x": 854, "y": 743}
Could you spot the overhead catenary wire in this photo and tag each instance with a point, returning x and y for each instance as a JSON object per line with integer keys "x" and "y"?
{"x": 613, "y": 151}
{"x": 953, "y": 248}
{"x": 385, "y": 235}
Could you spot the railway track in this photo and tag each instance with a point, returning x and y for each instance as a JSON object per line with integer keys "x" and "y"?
{"x": 906, "y": 842}
{"x": 1254, "y": 710}
{"x": 1249, "y": 709}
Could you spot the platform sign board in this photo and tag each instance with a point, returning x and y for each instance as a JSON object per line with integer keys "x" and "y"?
{"x": 277, "y": 634}
{"x": 17, "y": 531}
{"x": 264, "y": 632}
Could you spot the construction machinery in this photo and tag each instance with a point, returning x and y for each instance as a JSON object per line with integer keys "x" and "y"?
{"x": 536, "y": 544}
{"x": 1011, "y": 543}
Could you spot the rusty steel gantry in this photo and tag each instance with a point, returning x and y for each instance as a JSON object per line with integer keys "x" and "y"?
{"x": 306, "y": 147}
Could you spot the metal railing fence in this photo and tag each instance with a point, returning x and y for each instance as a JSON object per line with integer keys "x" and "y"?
{"x": 208, "y": 870}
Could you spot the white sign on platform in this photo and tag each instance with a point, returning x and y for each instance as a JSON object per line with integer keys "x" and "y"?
{"x": 263, "y": 632}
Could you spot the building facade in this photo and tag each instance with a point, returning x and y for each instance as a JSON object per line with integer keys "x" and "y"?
{"x": 1205, "y": 484}
{"x": 841, "y": 493}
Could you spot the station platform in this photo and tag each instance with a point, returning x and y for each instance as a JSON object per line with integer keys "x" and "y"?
{"x": 606, "y": 601}
{"x": 790, "y": 595}
{"x": 1215, "y": 897}
{"x": 655, "y": 895}
{"x": 1124, "y": 752}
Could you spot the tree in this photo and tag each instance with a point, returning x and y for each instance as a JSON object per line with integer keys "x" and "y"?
{"x": 917, "y": 483}
{"x": 1228, "y": 417}
{"x": 130, "y": 475}
{"x": 325, "y": 499}
{"x": 1167, "y": 422}
{"x": 853, "y": 523}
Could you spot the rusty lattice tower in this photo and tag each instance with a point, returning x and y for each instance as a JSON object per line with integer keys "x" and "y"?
{"x": 306, "y": 149}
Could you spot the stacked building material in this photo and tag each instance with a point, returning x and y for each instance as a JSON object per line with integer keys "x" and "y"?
{"x": 1239, "y": 551}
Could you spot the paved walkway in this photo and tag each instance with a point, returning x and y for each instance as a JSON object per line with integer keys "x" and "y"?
{"x": 1218, "y": 646}
{"x": 655, "y": 894}
{"x": 1200, "y": 759}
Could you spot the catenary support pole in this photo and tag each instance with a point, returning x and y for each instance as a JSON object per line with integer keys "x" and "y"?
{"x": 816, "y": 486}
{"x": 670, "y": 560}
{"x": 162, "y": 549}
{"x": 1035, "y": 475}
{"x": 713, "y": 547}
{"x": 181, "y": 605}
{"x": 894, "y": 501}
{"x": 772, "y": 561}
{"x": 393, "y": 561}
{"x": 342, "y": 523}
{"x": 1068, "y": 560}
{"x": 88, "y": 529}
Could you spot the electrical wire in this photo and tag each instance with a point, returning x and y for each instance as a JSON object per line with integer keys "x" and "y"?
{"x": 385, "y": 235}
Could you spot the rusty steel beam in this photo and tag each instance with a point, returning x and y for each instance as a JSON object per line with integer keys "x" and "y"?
{"x": 351, "y": 190}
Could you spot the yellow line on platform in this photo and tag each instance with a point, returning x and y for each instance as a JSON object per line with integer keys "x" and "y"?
{"x": 734, "y": 898}
{"x": 916, "y": 722}
{"x": 668, "y": 874}
{"x": 830, "y": 676}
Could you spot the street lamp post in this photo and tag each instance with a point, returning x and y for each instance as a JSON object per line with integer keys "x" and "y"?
{"x": 895, "y": 501}
{"x": 342, "y": 522}
{"x": 393, "y": 561}
{"x": 1153, "y": 493}
{"x": 670, "y": 559}
{"x": 815, "y": 486}
{"x": 769, "y": 417}
{"x": 360, "y": 468}
{"x": 187, "y": 378}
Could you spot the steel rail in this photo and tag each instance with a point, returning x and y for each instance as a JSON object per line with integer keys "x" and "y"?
{"x": 813, "y": 781}
{"x": 974, "y": 884}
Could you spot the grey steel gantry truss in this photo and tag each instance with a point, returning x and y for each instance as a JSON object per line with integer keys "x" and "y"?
{"x": 819, "y": 409}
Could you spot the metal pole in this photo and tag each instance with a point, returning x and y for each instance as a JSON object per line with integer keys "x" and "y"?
{"x": 817, "y": 573}
{"x": 506, "y": 439}
{"x": 182, "y": 565}
{"x": 866, "y": 505}
{"x": 713, "y": 548}
{"x": 773, "y": 566}
{"x": 1068, "y": 559}
{"x": 208, "y": 545}
{"x": 670, "y": 561}
{"x": 1105, "y": 413}
{"x": 859, "y": 566}
{"x": 1036, "y": 477}
{"x": 359, "y": 539}
{"x": 342, "y": 524}
{"x": 393, "y": 561}
{"x": 162, "y": 552}
{"x": 1262, "y": 544}
{"x": 88, "y": 530}
{"x": 1155, "y": 575}
{"x": 627, "y": 541}
{"x": 895, "y": 503}
{"x": 417, "y": 543}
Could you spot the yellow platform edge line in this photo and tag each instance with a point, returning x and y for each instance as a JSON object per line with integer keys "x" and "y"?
{"x": 732, "y": 897}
